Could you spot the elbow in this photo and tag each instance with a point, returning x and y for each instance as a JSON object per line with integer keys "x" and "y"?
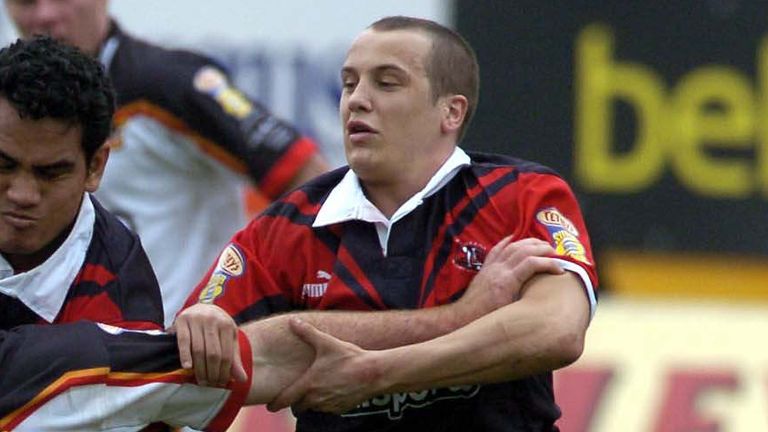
{"x": 570, "y": 346}
{"x": 568, "y": 328}
{"x": 565, "y": 343}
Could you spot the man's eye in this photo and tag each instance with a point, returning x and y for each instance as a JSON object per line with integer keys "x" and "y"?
{"x": 51, "y": 174}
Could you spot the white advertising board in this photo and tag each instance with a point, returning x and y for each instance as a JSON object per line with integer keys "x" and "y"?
{"x": 661, "y": 366}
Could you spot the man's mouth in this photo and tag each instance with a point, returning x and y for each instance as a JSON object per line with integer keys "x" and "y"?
{"x": 359, "y": 130}
{"x": 18, "y": 220}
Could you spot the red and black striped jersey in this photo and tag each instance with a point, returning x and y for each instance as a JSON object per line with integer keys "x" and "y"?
{"x": 281, "y": 262}
{"x": 90, "y": 377}
{"x": 113, "y": 283}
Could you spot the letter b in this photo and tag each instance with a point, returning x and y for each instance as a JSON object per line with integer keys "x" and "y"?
{"x": 599, "y": 81}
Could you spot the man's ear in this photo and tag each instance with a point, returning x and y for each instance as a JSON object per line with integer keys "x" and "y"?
{"x": 95, "y": 169}
{"x": 454, "y": 112}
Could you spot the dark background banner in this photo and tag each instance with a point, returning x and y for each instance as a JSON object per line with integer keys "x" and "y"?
{"x": 654, "y": 111}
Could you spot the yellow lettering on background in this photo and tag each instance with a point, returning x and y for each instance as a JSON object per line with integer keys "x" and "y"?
{"x": 730, "y": 126}
{"x": 712, "y": 107}
{"x": 762, "y": 123}
{"x": 598, "y": 81}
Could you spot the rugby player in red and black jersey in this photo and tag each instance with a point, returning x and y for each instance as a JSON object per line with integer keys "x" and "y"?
{"x": 63, "y": 257}
{"x": 413, "y": 240}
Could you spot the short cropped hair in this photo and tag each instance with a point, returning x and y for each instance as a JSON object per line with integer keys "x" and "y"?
{"x": 452, "y": 66}
{"x": 43, "y": 78}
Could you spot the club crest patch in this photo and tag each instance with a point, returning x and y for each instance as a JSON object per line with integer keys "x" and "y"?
{"x": 552, "y": 218}
{"x": 469, "y": 255}
{"x": 230, "y": 264}
{"x": 214, "y": 83}
{"x": 564, "y": 235}
{"x": 230, "y": 261}
{"x": 210, "y": 80}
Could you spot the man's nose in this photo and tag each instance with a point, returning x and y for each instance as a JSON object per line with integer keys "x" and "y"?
{"x": 359, "y": 99}
{"x": 45, "y": 14}
{"x": 23, "y": 190}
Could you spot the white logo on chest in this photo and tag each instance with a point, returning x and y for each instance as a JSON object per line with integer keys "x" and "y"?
{"x": 315, "y": 290}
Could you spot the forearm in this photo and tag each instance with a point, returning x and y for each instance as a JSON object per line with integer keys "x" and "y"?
{"x": 384, "y": 329}
{"x": 495, "y": 286}
{"x": 280, "y": 357}
{"x": 541, "y": 332}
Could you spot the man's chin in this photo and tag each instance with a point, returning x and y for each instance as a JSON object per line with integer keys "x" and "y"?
{"x": 18, "y": 248}
{"x": 364, "y": 165}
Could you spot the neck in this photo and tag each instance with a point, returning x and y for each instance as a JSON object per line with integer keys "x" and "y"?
{"x": 389, "y": 196}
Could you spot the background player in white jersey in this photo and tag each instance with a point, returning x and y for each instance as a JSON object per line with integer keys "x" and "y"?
{"x": 187, "y": 142}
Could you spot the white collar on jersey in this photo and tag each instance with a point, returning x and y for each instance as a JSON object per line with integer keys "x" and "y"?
{"x": 44, "y": 288}
{"x": 347, "y": 200}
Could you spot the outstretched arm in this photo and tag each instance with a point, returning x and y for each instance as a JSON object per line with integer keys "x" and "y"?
{"x": 541, "y": 332}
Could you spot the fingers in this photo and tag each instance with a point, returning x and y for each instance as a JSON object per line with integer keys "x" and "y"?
{"x": 289, "y": 396}
{"x": 527, "y": 247}
{"x": 308, "y": 333}
{"x": 207, "y": 342}
{"x": 213, "y": 343}
{"x": 238, "y": 370}
{"x": 313, "y": 389}
{"x": 292, "y": 395}
{"x": 322, "y": 342}
{"x": 534, "y": 265}
{"x": 230, "y": 357}
{"x": 183, "y": 342}
{"x": 228, "y": 337}
{"x": 533, "y": 248}
{"x": 497, "y": 249}
{"x": 198, "y": 355}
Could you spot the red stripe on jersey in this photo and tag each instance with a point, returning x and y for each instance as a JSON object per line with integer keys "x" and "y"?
{"x": 441, "y": 293}
{"x": 347, "y": 260}
{"x": 239, "y": 394}
{"x": 94, "y": 273}
{"x": 99, "y": 308}
{"x": 66, "y": 381}
{"x": 429, "y": 266}
{"x": 100, "y": 375}
{"x": 135, "y": 379}
{"x": 287, "y": 167}
{"x": 301, "y": 200}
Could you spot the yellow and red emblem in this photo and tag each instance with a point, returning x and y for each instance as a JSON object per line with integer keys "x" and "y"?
{"x": 213, "y": 82}
{"x": 230, "y": 264}
{"x": 564, "y": 234}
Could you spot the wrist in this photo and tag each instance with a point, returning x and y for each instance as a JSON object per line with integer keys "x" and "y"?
{"x": 382, "y": 375}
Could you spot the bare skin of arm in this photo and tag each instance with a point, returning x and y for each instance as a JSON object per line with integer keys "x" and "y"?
{"x": 541, "y": 332}
{"x": 202, "y": 328}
